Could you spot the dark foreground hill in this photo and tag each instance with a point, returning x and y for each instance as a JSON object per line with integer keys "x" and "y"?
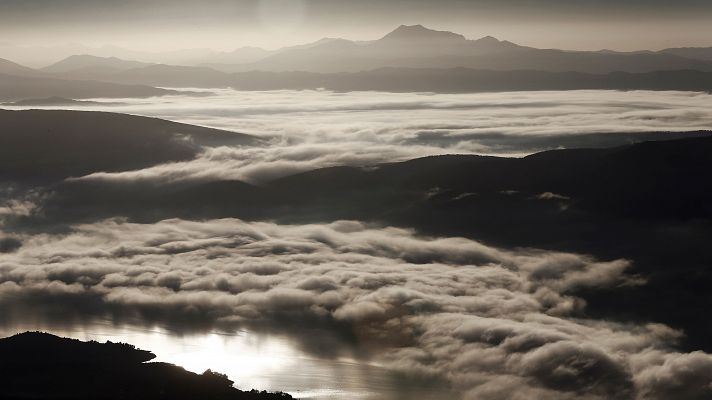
{"x": 42, "y": 366}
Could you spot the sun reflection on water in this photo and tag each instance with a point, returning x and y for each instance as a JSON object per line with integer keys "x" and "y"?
{"x": 252, "y": 360}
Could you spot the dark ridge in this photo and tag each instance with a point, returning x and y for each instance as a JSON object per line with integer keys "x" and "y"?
{"x": 410, "y": 77}
{"x": 14, "y": 87}
{"x": 465, "y": 80}
{"x": 696, "y": 53}
{"x": 37, "y": 347}
{"x": 50, "y": 145}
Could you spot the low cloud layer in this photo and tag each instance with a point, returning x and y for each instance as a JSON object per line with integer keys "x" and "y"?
{"x": 496, "y": 324}
{"x": 313, "y": 129}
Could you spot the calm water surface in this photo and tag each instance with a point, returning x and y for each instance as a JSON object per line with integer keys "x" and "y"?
{"x": 257, "y": 361}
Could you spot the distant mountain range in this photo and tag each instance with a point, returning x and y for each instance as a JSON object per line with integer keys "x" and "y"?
{"x": 390, "y": 79}
{"x": 465, "y": 80}
{"x": 410, "y": 58}
{"x": 42, "y": 56}
{"x": 419, "y": 47}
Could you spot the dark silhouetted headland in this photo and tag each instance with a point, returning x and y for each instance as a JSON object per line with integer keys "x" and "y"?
{"x": 36, "y": 365}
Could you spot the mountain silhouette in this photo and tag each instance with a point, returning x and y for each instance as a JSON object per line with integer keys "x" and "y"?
{"x": 10, "y": 68}
{"x": 411, "y": 46}
{"x": 36, "y": 365}
{"x": 696, "y": 53}
{"x": 81, "y": 62}
{"x": 172, "y": 76}
{"x": 419, "y": 47}
{"x": 464, "y": 80}
{"x": 439, "y": 80}
{"x": 420, "y": 34}
{"x": 409, "y": 58}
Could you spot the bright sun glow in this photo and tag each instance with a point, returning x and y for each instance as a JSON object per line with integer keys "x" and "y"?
{"x": 249, "y": 359}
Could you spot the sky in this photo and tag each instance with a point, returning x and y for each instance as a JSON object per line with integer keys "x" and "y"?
{"x": 228, "y": 24}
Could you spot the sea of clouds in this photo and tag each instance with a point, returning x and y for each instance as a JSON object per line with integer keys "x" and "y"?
{"x": 493, "y": 323}
{"x": 313, "y": 129}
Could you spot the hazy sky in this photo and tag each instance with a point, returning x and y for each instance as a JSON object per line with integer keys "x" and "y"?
{"x": 226, "y": 24}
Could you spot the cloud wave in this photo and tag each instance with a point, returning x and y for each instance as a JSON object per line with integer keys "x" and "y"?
{"x": 314, "y": 129}
{"x": 496, "y": 324}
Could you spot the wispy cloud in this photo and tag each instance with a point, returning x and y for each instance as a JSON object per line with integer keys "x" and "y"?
{"x": 313, "y": 129}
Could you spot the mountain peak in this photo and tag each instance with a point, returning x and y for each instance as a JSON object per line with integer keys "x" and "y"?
{"x": 491, "y": 43}
{"x": 80, "y": 61}
{"x": 9, "y": 67}
{"x": 421, "y": 33}
{"x": 488, "y": 39}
